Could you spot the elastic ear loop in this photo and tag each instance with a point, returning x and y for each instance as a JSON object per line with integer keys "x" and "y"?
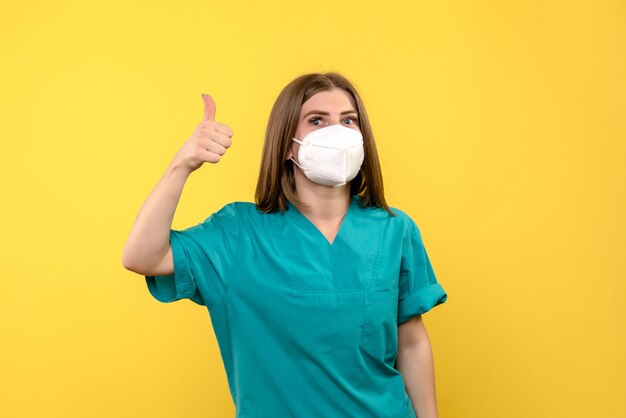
{"x": 299, "y": 142}
{"x": 298, "y": 164}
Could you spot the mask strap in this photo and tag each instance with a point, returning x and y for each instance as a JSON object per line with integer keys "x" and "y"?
{"x": 299, "y": 142}
{"x": 297, "y": 164}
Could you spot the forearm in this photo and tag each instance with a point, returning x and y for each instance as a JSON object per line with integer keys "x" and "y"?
{"x": 415, "y": 364}
{"x": 148, "y": 241}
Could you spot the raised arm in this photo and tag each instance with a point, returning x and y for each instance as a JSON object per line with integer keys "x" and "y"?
{"x": 147, "y": 250}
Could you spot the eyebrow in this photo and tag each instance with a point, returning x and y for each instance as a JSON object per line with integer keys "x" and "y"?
{"x": 319, "y": 112}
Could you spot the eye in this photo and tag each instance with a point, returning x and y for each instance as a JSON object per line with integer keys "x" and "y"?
{"x": 315, "y": 119}
{"x": 353, "y": 120}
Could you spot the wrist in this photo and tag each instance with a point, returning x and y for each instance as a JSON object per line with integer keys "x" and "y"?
{"x": 177, "y": 173}
{"x": 177, "y": 169}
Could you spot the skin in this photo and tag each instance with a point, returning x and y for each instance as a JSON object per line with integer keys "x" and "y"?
{"x": 328, "y": 207}
{"x": 416, "y": 365}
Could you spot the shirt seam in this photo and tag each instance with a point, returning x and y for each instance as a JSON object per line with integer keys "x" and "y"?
{"x": 237, "y": 265}
{"x": 184, "y": 288}
{"x": 378, "y": 251}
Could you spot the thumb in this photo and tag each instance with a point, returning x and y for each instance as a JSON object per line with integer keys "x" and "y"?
{"x": 209, "y": 107}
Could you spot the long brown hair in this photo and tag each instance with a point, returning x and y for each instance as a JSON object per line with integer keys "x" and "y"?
{"x": 276, "y": 183}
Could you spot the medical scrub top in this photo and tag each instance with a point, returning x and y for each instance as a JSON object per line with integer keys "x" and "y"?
{"x": 306, "y": 328}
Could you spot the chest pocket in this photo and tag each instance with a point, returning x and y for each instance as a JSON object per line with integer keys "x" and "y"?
{"x": 379, "y": 337}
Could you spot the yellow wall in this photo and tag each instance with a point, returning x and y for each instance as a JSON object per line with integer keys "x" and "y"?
{"x": 501, "y": 130}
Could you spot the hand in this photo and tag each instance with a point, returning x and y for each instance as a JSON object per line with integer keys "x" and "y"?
{"x": 208, "y": 142}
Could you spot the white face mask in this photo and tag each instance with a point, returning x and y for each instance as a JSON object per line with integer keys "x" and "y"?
{"x": 331, "y": 156}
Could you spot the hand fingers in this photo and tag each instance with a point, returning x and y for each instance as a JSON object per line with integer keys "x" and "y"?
{"x": 209, "y": 156}
{"x": 222, "y": 128}
{"x": 223, "y": 140}
{"x": 205, "y": 128}
{"x": 215, "y": 131}
{"x": 219, "y": 138}
{"x": 215, "y": 148}
{"x": 209, "y": 107}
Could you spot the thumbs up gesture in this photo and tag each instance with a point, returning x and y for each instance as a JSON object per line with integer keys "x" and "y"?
{"x": 208, "y": 142}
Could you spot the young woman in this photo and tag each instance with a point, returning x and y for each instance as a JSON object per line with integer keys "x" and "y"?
{"x": 316, "y": 290}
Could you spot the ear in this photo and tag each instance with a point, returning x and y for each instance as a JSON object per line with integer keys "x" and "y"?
{"x": 289, "y": 154}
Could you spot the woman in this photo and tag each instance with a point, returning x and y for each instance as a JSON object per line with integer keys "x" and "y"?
{"x": 316, "y": 290}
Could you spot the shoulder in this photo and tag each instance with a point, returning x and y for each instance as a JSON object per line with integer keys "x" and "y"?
{"x": 396, "y": 226}
{"x": 226, "y": 220}
{"x": 402, "y": 221}
{"x": 236, "y": 208}
{"x": 238, "y": 212}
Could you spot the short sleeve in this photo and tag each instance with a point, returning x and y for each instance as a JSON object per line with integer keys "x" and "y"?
{"x": 204, "y": 260}
{"x": 419, "y": 290}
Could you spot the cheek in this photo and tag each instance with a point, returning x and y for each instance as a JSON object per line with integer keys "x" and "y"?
{"x": 299, "y": 129}
{"x": 304, "y": 128}
{"x": 300, "y": 133}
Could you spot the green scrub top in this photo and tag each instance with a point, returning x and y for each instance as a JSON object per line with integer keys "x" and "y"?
{"x": 306, "y": 328}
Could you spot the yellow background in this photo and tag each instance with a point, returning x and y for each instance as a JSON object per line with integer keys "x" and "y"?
{"x": 501, "y": 131}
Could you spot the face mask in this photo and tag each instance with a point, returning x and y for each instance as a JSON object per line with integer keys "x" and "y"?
{"x": 331, "y": 156}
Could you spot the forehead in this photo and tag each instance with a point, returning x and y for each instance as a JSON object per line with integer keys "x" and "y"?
{"x": 336, "y": 99}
